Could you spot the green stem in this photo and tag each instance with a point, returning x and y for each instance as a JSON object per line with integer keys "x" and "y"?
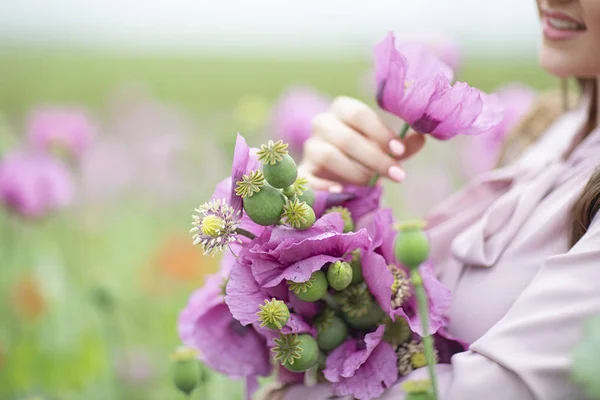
{"x": 427, "y": 338}
{"x": 401, "y": 135}
{"x": 246, "y": 233}
{"x": 404, "y": 131}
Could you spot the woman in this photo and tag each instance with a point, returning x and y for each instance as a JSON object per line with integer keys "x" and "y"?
{"x": 519, "y": 246}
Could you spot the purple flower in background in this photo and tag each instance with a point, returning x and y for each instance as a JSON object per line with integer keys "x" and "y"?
{"x": 34, "y": 184}
{"x": 65, "y": 129}
{"x": 481, "y": 152}
{"x": 445, "y": 47}
{"x": 389, "y": 282}
{"x": 362, "y": 368}
{"x": 292, "y": 116}
{"x": 206, "y": 324}
{"x": 413, "y": 84}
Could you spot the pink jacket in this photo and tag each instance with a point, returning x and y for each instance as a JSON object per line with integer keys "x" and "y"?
{"x": 520, "y": 294}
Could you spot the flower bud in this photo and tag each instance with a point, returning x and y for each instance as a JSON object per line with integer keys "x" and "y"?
{"x": 412, "y": 245}
{"x": 312, "y": 290}
{"x": 346, "y": 216}
{"x": 339, "y": 275}
{"x": 281, "y": 174}
{"x": 273, "y": 314}
{"x": 186, "y": 370}
{"x": 370, "y": 319}
{"x": 308, "y": 197}
{"x": 265, "y": 206}
{"x": 297, "y": 353}
{"x": 357, "y": 275}
{"x": 331, "y": 331}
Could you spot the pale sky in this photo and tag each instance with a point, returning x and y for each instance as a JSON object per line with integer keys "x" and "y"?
{"x": 265, "y": 26}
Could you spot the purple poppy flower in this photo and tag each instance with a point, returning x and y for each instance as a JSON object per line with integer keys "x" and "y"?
{"x": 480, "y": 153}
{"x": 292, "y": 116}
{"x": 362, "y": 368}
{"x": 287, "y": 254}
{"x": 34, "y": 184}
{"x": 381, "y": 272}
{"x": 69, "y": 129}
{"x": 206, "y": 324}
{"x": 413, "y": 84}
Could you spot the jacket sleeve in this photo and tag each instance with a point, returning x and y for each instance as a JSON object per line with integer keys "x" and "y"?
{"x": 527, "y": 354}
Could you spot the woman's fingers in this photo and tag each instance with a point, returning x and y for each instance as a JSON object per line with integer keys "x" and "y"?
{"x": 364, "y": 119}
{"x": 412, "y": 144}
{"x": 329, "y": 162}
{"x": 354, "y": 145}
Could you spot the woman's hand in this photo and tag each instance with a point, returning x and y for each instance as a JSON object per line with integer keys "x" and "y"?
{"x": 350, "y": 144}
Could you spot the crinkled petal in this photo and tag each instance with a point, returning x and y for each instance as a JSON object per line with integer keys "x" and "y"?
{"x": 416, "y": 108}
{"x": 390, "y": 73}
{"x": 376, "y": 375}
{"x": 228, "y": 347}
{"x": 492, "y": 114}
{"x": 439, "y": 297}
{"x": 345, "y": 360}
{"x": 365, "y": 200}
{"x": 379, "y": 279}
{"x": 423, "y": 62}
{"x": 299, "y": 260}
{"x": 244, "y": 295}
{"x": 201, "y": 302}
{"x": 243, "y": 162}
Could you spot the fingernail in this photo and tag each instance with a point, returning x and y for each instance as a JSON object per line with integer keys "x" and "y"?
{"x": 335, "y": 189}
{"x": 396, "y": 147}
{"x": 396, "y": 173}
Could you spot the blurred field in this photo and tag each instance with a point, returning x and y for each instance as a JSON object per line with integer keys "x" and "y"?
{"x": 90, "y": 296}
{"x": 204, "y": 84}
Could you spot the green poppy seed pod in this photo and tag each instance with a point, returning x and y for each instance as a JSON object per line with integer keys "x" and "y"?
{"x": 308, "y": 197}
{"x": 273, "y": 314}
{"x": 369, "y": 320}
{"x": 281, "y": 174}
{"x": 308, "y": 352}
{"x": 312, "y": 290}
{"x": 289, "y": 192}
{"x": 346, "y": 216}
{"x": 397, "y": 332}
{"x": 310, "y": 219}
{"x": 357, "y": 275}
{"x": 331, "y": 333}
{"x": 186, "y": 370}
{"x": 412, "y": 245}
{"x": 266, "y": 206}
{"x": 339, "y": 275}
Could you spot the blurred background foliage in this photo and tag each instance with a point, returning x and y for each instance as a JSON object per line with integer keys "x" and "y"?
{"x": 89, "y": 295}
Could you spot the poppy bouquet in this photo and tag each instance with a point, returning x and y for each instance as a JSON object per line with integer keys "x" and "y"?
{"x": 328, "y": 287}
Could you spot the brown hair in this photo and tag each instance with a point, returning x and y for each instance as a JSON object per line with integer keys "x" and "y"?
{"x": 546, "y": 109}
{"x": 588, "y": 203}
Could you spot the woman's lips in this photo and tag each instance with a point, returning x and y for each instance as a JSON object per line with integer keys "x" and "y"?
{"x": 559, "y": 26}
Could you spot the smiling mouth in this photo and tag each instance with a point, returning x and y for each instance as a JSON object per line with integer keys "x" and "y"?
{"x": 565, "y": 25}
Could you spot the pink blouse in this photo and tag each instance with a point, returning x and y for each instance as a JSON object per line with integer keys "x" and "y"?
{"x": 520, "y": 294}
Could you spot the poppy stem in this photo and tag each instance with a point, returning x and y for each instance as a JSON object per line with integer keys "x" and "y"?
{"x": 404, "y": 131}
{"x": 246, "y": 233}
{"x": 401, "y": 135}
{"x": 423, "y": 306}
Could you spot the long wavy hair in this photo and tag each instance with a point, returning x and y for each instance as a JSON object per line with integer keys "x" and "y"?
{"x": 548, "y": 107}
